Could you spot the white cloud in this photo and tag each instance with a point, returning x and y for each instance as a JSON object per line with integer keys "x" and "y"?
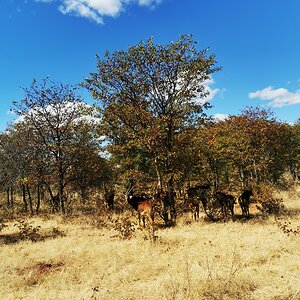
{"x": 79, "y": 9}
{"x": 277, "y": 97}
{"x": 149, "y": 3}
{"x": 268, "y": 93}
{"x": 220, "y": 117}
{"x": 212, "y": 92}
{"x": 82, "y": 113}
{"x": 95, "y": 10}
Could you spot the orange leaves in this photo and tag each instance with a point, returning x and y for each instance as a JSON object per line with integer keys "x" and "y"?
{"x": 253, "y": 143}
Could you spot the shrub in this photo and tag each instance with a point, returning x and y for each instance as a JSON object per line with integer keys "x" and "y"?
{"x": 2, "y": 225}
{"x": 124, "y": 227}
{"x": 27, "y": 231}
{"x": 272, "y": 206}
{"x": 268, "y": 204}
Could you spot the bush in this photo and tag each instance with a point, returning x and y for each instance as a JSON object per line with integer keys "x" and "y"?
{"x": 125, "y": 228}
{"x": 2, "y": 226}
{"x": 272, "y": 206}
{"x": 27, "y": 231}
{"x": 268, "y": 204}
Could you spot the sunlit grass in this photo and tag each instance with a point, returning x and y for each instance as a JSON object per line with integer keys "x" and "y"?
{"x": 195, "y": 260}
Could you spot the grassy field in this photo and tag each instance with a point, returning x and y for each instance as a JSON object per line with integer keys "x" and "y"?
{"x": 83, "y": 259}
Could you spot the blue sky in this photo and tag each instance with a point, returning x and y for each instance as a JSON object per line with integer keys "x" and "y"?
{"x": 256, "y": 42}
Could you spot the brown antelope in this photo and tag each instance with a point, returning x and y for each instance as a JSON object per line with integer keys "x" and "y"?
{"x": 244, "y": 201}
{"x": 142, "y": 204}
{"x": 195, "y": 195}
{"x": 109, "y": 195}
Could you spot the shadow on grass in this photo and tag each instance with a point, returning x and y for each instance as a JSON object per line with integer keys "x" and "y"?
{"x": 13, "y": 238}
{"x": 292, "y": 212}
{"x": 256, "y": 217}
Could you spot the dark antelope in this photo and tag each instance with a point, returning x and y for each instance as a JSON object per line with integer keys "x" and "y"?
{"x": 227, "y": 203}
{"x": 142, "y": 204}
{"x": 244, "y": 201}
{"x": 195, "y": 195}
{"x": 109, "y": 196}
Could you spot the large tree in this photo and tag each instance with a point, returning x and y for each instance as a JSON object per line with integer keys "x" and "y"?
{"x": 58, "y": 124}
{"x": 149, "y": 96}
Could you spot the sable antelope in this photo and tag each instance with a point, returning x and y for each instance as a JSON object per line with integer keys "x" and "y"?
{"x": 244, "y": 201}
{"x": 142, "y": 204}
{"x": 109, "y": 196}
{"x": 195, "y": 195}
{"x": 226, "y": 201}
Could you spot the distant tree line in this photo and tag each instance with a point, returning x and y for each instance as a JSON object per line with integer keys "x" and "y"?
{"x": 150, "y": 109}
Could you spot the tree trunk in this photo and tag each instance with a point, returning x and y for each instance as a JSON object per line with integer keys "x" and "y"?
{"x": 159, "y": 185}
{"x": 84, "y": 193}
{"x": 242, "y": 177}
{"x": 256, "y": 175}
{"x": 61, "y": 178}
{"x": 11, "y": 197}
{"x": 171, "y": 168}
{"x": 172, "y": 196}
{"x": 216, "y": 178}
{"x": 30, "y": 199}
{"x": 8, "y": 197}
{"x": 37, "y": 209}
{"x": 227, "y": 175}
{"x": 54, "y": 200}
{"x": 61, "y": 194}
{"x": 24, "y": 197}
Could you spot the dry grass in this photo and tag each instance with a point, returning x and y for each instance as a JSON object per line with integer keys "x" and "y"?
{"x": 198, "y": 260}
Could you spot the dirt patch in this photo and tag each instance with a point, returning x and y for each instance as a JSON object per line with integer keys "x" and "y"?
{"x": 40, "y": 268}
{"x": 37, "y": 273}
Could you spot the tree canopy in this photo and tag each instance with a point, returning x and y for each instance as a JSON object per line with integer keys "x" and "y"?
{"x": 150, "y": 95}
{"x": 58, "y": 130}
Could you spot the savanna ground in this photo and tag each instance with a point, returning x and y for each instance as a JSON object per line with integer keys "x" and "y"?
{"x": 87, "y": 258}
